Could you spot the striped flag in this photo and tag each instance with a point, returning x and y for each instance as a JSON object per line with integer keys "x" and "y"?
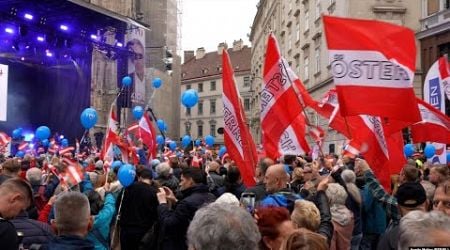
{"x": 73, "y": 173}
{"x": 148, "y": 135}
{"x": 377, "y": 59}
{"x": 4, "y": 139}
{"x": 23, "y": 146}
{"x": 282, "y": 120}
{"x": 434, "y": 127}
{"x": 66, "y": 150}
{"x": 238, "y": 140}
{"x": 112, "y": 135}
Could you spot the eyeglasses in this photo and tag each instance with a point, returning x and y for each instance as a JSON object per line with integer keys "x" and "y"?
{"x": 137, "y": 56}
{"x": 446, "y": 204}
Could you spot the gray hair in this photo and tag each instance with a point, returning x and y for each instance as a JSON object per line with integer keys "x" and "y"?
{"x": 349, "y": 178}
{"x": 222, "y": 227}
{"x": 419, "y": 228}
{"x": 163, "y": 169}
{"x": 72, "y": 212}
{"x": 336, "y": 194}
{"x": 34, "y": 176}
{"x": 430, "y": 188}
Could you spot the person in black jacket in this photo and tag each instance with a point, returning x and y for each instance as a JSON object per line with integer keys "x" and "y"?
{"x": 260, "y": 188}
{"x": 34, "y": 232}
{"x": 233, "y": 183}
{"x": 138, "y": 211}
{"x": 175, "y": 216}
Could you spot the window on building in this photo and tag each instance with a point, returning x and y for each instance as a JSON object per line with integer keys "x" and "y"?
{"x": 246, "y": 81}
{"x": 187, "y": 128}
{"x": 188, "y": 111}
{"x": 212, "y": 130}
{"x": 188, "y": 86}
{"x": 297, "y": 63}
{"x": 317, "y": 59}
{"x": 306, "y": 67}
{"x": 200, "y": 107}
{"x": 200, "y": 130}
{"x": 331, "y": 149}
{"x": 297, "y": 31}
{"x": 212, "y": 85}
{"x": 306, "y": 21}
{"x": 247, "y": 104}
{"x": 200, "y": 87}
{"x": 317, "y": 10}
{"x": 212, "y": 108}
{"x": 432, "y": 6}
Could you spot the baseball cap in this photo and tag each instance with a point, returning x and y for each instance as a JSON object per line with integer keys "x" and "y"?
{"x": 411, "y": 194}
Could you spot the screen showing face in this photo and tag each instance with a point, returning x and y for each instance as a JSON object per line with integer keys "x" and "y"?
{"x": 248, "y": 201}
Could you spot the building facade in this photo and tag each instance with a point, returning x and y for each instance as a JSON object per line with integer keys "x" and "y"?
{"x": 162, "y": 16}
{"x": 434, "y": 35}
{"x": 203, "y": 72}
{"x": 298, "y": 26}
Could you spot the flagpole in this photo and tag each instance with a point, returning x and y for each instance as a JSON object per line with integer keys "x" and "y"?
{"x": 300, "y": 101}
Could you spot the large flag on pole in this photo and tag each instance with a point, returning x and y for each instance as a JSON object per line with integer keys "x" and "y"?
{"x": 148, "y": 135}
{"x": 435, "y": 88}
{"x": 238, "y": 140}
{"x": 282, "y": 116}
{"x": 373, "y": 67}
{"x": 112, "y": 135}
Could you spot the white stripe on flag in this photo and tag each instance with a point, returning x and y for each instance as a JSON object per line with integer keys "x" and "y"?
{"x": 231, "y": 124}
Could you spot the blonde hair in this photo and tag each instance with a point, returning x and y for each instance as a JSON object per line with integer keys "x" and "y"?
{"x": 306, "y": 215}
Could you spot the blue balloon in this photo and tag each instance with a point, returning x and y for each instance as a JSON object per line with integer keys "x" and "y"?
{"x": 64, "y": 142}
{"x": 160, "y": 139}
{"x": 165, "y": 127}
{"x": 189, "y": 98}
{"x": 138, "y": 112}
{"x": 429, "y": 151}
{"x": 186, "y": 141}
{"x": 408, "y": 149}
{"x": 448, "y": 157}
{"x": 173, "y": 145}
{"x": 17, "y": 133}
{"x": 222, "y": 151}
{"x": 198, "y": 142}
{"x": 126, "y": 81}
{"x": 116, "y": 164}
{"x": 161, "y": 124}
{"x": 126, "y": 175}
{"x": 43, "y": 132}
{"x": 157, "y": 82}
{"x": 209, "y": 139}
{"x": 45, "y": 142}
{"x": 20, "y": 154}
{"x": 88, "y": 118}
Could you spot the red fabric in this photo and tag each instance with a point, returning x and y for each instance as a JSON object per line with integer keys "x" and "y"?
{"x": 148, "y": 134}
{"x": 4, "y": 139}
{"x": 380, "y": 62}
{"x": 44, "y": 213}
{"x": 238, "y": 140}
{"x": 434, "y": 127}
{"x": 282, "y": 102}
{"x": 112, "y": 135}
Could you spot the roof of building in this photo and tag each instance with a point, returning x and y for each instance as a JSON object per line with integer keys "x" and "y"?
{"x": 211, "y": 64}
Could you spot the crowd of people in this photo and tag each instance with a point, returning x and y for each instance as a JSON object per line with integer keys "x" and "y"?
{"x": 332, "y": 202}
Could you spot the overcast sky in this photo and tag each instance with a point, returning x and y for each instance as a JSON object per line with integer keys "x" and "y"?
{"x": 206, "y": 23}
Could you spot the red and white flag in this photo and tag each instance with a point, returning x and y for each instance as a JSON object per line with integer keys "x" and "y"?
{"x": 66, "y": 150}
{"x": 4, "y": 139}
{"x": 434, "y": 127}
{"x": 148, "y": 135}
{"x": 316, "y": 133}
{"x": 112, "y": 135}
{"x": 373, "y": 68}
{"x": 282, "y": 120}
{"x": 238, "y": 140}
{"x": 73, "y": 172}
{"x": 23, "y": 146}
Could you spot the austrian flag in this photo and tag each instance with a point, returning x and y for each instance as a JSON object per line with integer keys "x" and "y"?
{"x": 373, "y": 67}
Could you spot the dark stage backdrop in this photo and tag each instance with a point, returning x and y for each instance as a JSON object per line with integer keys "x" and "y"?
{"x": 53, "y": 96}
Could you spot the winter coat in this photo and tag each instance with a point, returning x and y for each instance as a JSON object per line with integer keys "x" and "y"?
{"x": 284, "y": 198}
{"x": 236, "y": 189}
{"x": 326, "y": 225}
{"x": 8, "y": 235}
{"x": 102, "y": 222}
{"x": 259, "y": 190}
{"x": 373, "y": 216}
{"x": 215, "y": 181}
{"x": 170, "y": 182}
{"x": 343, "y": 224}
{"x": 34, "y": 232}
{"x": 70, "y": 242}
{"x": 175, "y": 222}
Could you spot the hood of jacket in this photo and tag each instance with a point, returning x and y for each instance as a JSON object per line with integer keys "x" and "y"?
{"x": 70, "y": 242}
{"x": 341, "y": 214}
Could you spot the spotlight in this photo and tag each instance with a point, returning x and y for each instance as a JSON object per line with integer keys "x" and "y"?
{"x": 27, "y": 47}
{"x": 64, "y": 27}
{"x": 28, "y": 16}
{"x": 9, "y": 31}
{"x": 94, "y": 37}
{"x": 40, "y": 38}
{"x": 61, "y": 137}
{"x": 16, "y": 46}
{"x": 28, "y": 137}
{"x": 22, "y": 58}
{"x": 48, "y": 53}
{"x": 118, "y": 44}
